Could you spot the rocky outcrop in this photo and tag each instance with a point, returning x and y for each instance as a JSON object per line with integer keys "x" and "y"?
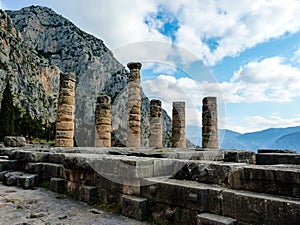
{"x": 33, "y": 78}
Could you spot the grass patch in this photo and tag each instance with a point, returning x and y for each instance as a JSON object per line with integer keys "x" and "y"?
{"x": 74, "y": 194}
{"x": 44, "y": 184}
{"x": 109, "y": 207}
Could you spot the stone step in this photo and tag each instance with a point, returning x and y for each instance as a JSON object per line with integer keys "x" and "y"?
{"x": 191, "y": 198}
{"x": 6, "y": 164}
{"x": 270, "y": 179}
{"x": 135, "y": 207}
{"x": 20, "y": 179}
{"x": 46, "y": 170}
{"x": 213, "y": 219}
{"x": 277, "y": 158}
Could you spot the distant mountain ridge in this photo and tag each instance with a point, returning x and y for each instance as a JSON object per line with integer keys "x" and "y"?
{"x": 272, "y": 138}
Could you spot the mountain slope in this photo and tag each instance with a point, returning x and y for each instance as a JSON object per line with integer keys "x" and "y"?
{"x": 34, "y": 79}
{"x": 59, "y": 41}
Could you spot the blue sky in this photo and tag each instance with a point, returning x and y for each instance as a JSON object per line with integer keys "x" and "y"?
{"x": 247, "y": 53}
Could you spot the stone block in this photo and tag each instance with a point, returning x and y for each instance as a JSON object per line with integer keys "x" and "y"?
{"x": 267, "y": 179}
{"x": 10, "y": 178}
{"x": 20, "y": 179}
{"x": 213, "y": 219}
{"x": 276, "y": 151}
{"x": 58, "y": 185}
{"x": 135, "y": 207}
{"x": 239, "y": 156}
{"x": 277, "y": 158}
{"x": 88, "y": 193}
{"x": 29, "y": 156}
{"x": 14, "y": 141}
{"x": 9, "y": 165}
{"x": 165, "y": 214}
{"x": 46, "y": 170}
{"x": 27, "y": 181}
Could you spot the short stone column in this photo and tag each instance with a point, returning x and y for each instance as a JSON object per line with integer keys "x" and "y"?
{"x": 155, "y": 138}
{"x": 134, "y": 106}
{"x": 103, "y": 122}
{"x": 178, "y": 125}
{"x": 209, "y": 123}
{"x": 66, "y": 111}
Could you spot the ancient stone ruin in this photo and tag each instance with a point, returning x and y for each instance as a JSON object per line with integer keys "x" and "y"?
{"x": 178, "y": 125}
{"x": 155, "y": 138}
{"x": 103, "y": 122}
{"x": 66, "y": 110}
{"x": 195, "y": 186}
{"x": 134, "y": 106}
{"x": 210, "y": 123}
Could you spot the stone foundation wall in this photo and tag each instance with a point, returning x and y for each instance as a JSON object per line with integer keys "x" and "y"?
{"x": 167, "y": 186}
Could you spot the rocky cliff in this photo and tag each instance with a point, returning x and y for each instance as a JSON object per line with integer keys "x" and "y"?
{"x": 34, "y": 79}
{"x": 50, "y": 40}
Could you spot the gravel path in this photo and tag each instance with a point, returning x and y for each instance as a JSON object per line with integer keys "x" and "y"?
{"x": 30, "y": 207}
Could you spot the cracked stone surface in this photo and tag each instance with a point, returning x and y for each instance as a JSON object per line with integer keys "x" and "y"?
{"x": 40, "y": 206}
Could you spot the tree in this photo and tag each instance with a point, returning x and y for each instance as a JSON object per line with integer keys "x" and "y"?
{"x": 7, "y": 112}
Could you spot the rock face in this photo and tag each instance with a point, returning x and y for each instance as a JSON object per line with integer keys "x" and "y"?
{"x": 33, "y": 78}
{"x": 14, "y": 141}
{"x": 53, "y": 40}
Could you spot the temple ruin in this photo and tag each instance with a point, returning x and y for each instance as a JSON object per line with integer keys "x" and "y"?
{"x": 179, "y": 185}
{"x": 103, "y": 122}
{"x": 155, "y": 138}
{"x": 178, "y": 125}
{"x": 66, "y": 111}
{"x": 210, "y": 123}
{"x": 134, "y": 105}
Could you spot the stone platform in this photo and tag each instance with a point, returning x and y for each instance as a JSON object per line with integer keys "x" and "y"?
{"x": 167, "y": 186}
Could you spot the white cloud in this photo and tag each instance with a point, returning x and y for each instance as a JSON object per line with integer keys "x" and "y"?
{"x": 169, "y": 89}
{"x": 233, "y": 27}
{"x": 268, "y": 80}
{"x": 2, "y": 6}
{"x": 257, "y": 123}
{"x": 296, "y": 57}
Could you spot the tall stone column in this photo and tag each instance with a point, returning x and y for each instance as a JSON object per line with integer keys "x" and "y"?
{"x": 66, "y": 111}
{"x": 103, "y": 122}
{"x": 178, "y": 125}
{"x": 155, "y": 138}
{"x": 209, "y": 123}
{"x": 134, "y": 106}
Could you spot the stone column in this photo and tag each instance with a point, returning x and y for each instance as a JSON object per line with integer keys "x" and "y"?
{"x": 103, "y": 122}
{"x": 134, "y": 106}
{"x": 155, "y": 138}
{"x": 209, "y": 123}
{"x": 178, "y": 125}
{"x": 65, "y": 112}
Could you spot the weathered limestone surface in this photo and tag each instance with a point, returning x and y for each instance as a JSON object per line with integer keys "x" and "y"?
{"x": 66, "y": 109}
{"x": 14, "y": 141}
{"x": 155, "y": 138}
{"x": 178, "y": 125}
{"x": 276, "y": 151}
{"x": 209, "y": 123}
{"x": 134, "y": 106}
{"x": 139, "y": 182}
{"x": 281, "y": 180}
{"x": 135, "y": 207}
{"x": 103, "y": 122}
{"x": 212, "y": 219}
{"x": 277, "y": 158}
{"x": 192, "y": 198}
